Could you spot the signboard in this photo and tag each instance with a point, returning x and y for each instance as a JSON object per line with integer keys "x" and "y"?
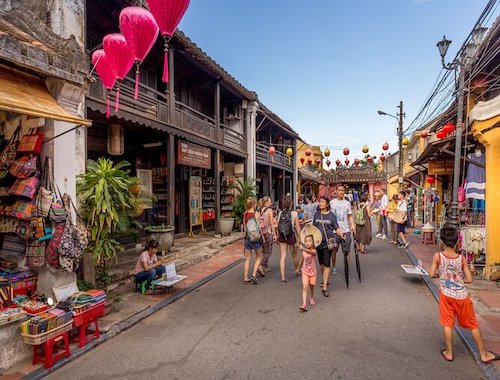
{"x": 440, "y": 167}
{"x": 412, "y": 269}
{"x": 193, "y": 155}
{"x": 195, "y": 201}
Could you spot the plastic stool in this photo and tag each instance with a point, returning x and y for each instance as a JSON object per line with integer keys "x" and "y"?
{"x": 83, "y": 337}
{"x": 49, "y": 346}
{"x": 428, "y": 237}
{"x": 141, "y": 286}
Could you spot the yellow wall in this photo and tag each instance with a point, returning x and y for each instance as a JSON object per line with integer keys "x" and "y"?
{"x": 392, "y": 186}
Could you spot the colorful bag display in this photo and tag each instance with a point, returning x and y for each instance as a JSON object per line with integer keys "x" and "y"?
{"x": 26, "y": 230}
{"x": 57, "y": 213}
{"x": 9, "y": 153}
{"x": 35, "y": 254}
{"x": 52, "y": 249}
{"x": 31, "y": 143}
{"x": 45, "y": 191}
{"x": 22, "y": 209}
{"x": 25, "y": 187}
{"x": 13, "y": 245}
{"x": 24, "y": 167}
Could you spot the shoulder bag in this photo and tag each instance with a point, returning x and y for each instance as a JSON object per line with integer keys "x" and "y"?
{"x": 45, "y": 191}
{"x": 330, "y": 241}
{"x": 31, "y": 143}
{"x": 8, "y": 154}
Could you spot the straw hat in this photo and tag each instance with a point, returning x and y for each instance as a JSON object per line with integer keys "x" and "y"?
{"x": 309, "y": 229}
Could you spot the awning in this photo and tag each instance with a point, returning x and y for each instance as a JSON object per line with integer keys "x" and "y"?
{"x": 305, "y": 174}
{"x": 27, "y": 95}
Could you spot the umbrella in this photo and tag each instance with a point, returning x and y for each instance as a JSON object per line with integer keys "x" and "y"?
{"x": 346, "y": 269}
{"x": 358, "y": 267}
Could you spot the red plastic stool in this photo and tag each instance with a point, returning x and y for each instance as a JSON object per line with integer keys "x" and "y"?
{"x": 428, "y": 237}
{"x": 49, "y": 346}
{"x": 83, "y": 337}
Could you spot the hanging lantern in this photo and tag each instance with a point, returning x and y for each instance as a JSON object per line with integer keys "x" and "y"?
{"x": 140, "y": 29}
{"x": 430, "y": 179}
{"x": 385, "y": 146}
{"x": 327, "y": 152}
{"x": 365, "y": 149}
{"x": 405, "y": 141}
{"x": 163, "y": 159}
{"x": 440, "y": 135}
{"x": 272, "y": 151}
{"x": 120, "y": 57}
{"x": 289, "y": 153}
{"x": 448, "y": 128}
{"x": 346, "y": 162}
{"x": 309, "y": 161}
{"x": 302, "y": 159}
{"x": 308, "y": 152}
{"x": 356, "y": 162}
{"x": 424, "y": 133}
{"x": 168, "y": 14}
{"x": 116, "y": 140}
{"x": 101, "y": 63}
{"x": 318, "y": 161}
{"x": 370, "y": 159}
{"x": 346, "y": 151}
{"x": 382, "y": 157}
{"x": 337, "y": 162}
{"x": 328, "y": 163}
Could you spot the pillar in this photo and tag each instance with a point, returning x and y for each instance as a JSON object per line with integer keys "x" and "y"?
{"x": 371, "y": 190}
{"x": 251, "y": 131}
{"x": 171, "y": 179}
{"x": 217, "y": 170}
{"x": 490, "y": 138}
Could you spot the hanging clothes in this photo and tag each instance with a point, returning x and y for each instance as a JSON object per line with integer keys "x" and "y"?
{"x": 475, "y": 186}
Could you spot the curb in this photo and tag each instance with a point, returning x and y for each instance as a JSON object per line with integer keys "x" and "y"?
{"x": 488, "y": 370}
{"x": 127, "y": 323}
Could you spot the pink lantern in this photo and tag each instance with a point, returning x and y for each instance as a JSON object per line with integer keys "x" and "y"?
{"x": 370, "y": 159}
{"x": 385, "y": 146}
{"x": 309, "y": 161}
{"x": 382, "y": 157}
{"x": 168, "y": 14}
{"x": 346, "y": 162}
{"x": 337, "y": 162}
{"x": 318, "y": 161}
{"x": 346, "y": 151}
{"x": 356, "y": 162}
{"x": 448, "y": 128}
{"x": 101, "y": 63}
{"x": 328, "y": 163}
{"x": 120, "y": 57}
{"x": 302, "y": 159}
{"x": 140, "y": 30}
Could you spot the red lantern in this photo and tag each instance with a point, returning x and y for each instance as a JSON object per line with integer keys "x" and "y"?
{"x": 441, "y": 135}
{"x": 318, "y": 161}
{"x": 370, "y": 159}
{"x": 272, "y": 150}
{"x": 168, "y": 14}
{"x": 101, "y": 63}
{"x": 385, "y": 146}
{"x": 382, "y": 157}
{"x": 302, "y": 159}
{"x": 328, "y": 163}
{"x": 356, "y": 162}
{"x": 424, "y": 133}
{"x": 309, "y": 162}
{"x": 120, "y": 57}
{"x": 346, "y": 151}
{"x": 337, "y": 162}
{"x": 346, "y": 162}
{"x": 448, "y": 128}
{"x": 140, "y": 30}
{"x": 430, "y": 179}
{"x": 308, "y": 152}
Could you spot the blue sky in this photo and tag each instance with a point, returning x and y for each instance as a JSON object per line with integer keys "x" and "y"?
{"x": 327, "y": 66}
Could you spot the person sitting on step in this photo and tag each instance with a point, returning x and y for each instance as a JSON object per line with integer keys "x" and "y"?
{"x": 148, "y": 267}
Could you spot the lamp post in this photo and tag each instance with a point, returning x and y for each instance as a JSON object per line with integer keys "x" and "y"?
{"x": 459, "y": 64}
{"x": 399, "y": 118}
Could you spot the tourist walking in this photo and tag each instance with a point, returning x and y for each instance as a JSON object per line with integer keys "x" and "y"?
{"x": 401, "y": 223}
{"x": 393, "y": 206}
{"x": 309, "y": 271}
{"x": 288, "y": 231}
{"x": 253, "y": 240}
{"x": 377, "y": 211}
{"x": 326, "y": 222}
{"x": 310, "y": 207}
{"x": 362, "y": 219}
{"x": 341, "y": 208}
{"x": 384, "y": 205}
{"x": 267, "y": 226}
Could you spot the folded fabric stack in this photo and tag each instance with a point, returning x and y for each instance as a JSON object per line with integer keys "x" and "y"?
{"x": 46, "y": 321}
{"x": 11, "y": 314}
{"x": 89, "y": 299}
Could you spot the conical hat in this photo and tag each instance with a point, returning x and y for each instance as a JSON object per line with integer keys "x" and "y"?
{"x": 309, "y": 229}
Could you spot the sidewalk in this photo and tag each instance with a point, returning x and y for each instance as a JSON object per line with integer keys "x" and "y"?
{"x": 133, "y": 307}
{"x": 486, "y": 298}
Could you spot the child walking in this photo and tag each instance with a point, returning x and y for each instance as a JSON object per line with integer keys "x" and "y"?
{"x": 309, "y": 271}
{"x": 454, "y": 301}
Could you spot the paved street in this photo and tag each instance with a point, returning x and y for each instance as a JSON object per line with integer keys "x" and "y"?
{"x": 384, "y": 328}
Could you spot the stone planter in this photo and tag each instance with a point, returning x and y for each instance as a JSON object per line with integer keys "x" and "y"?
{"x": 164, "y": 235}
{"x": 226, "y": 225}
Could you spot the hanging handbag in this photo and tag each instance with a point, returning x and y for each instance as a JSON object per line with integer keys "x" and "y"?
{"x": 31, "y": 143}
{"x": 25, "y": 187}
{"x": 8, "y": 154}
{"x": 331, "y": 243}
{"x": 74, "y": 239}
{"x": 35, "y": 254}
{"x": 45, "y": 191}
{"x": 22, "y": 209}
{"x": 25, "y": 230}
{"x": 13, "y": 245}
{"x": 24, "y": 167}
{"x": 52, "y": 249}
{"x": 7, "y": 224}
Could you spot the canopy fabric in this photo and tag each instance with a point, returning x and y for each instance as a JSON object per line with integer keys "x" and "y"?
{"x": 27, "y": 95}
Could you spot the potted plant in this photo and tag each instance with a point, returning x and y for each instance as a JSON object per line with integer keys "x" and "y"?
{"x": 163, "y": 234}
{"x": 107, "y": 207}
{"x": 245, "y": 189}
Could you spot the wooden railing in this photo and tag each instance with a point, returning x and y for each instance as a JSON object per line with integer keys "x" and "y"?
{"x": 279, "y": 158}
{"x": 232, "y": 139}
{"x": 195, "y": 121}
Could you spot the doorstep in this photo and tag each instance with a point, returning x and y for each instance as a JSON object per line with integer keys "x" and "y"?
{"x": 135, "y": 306}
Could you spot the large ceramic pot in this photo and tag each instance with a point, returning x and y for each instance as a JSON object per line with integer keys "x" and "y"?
{"x": 226, "y": 225}
{"x": 164, "y": 235}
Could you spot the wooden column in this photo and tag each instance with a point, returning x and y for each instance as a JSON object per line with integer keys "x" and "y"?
{"x": 217, "y": 190}
{"x": 284, "y": 184}
{"x": 270, "y": 181}
{"x": 217, "y": 111}
{"x": 171, "y": 179}
{"x": 171, "y": 87}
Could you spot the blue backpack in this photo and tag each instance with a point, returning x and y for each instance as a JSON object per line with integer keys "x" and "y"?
{"x": 253, "y": 230}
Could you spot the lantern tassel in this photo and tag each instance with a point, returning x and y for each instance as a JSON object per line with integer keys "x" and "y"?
{"x": 136, "y": 92}
{"x": 117, "y": 101}
{"x": 166, "y": 39}
{"x": 107, "y": 105}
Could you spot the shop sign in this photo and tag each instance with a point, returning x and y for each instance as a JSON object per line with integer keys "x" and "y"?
{"x": 193, "y": 155}
{"x": 440, "y": 167}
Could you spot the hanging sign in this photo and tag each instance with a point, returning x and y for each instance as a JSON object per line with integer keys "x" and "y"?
{"x": 440, "y": 167}
{"x": 195, "y": 201}
{"x": 193, "y": 155}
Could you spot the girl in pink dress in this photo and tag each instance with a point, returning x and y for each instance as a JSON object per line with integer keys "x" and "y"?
{"x": 309, "y": 271}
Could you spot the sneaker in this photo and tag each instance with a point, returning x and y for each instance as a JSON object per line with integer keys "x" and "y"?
{"x": 378, "y": 235}
{"x": 383, "y": 237}
{"x": 401, "y": 246}
{"x": 406, "y": 245}
{"x": 334, "y": 270}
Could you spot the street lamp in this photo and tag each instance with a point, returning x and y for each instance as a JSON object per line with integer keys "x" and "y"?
{"x": 399, "y": 118}
{"x": 459, "y": 64}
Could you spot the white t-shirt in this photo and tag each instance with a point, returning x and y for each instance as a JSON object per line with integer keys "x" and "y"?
{"x": 342, "y": 209}
{"x": 402, "y": 205}
{"x": 384, "y": 202}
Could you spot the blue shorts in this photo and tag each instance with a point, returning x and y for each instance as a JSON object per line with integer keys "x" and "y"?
{"x": 252, "y": 246}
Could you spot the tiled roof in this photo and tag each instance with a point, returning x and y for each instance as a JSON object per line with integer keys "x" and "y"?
{"x": 356, "y": 175}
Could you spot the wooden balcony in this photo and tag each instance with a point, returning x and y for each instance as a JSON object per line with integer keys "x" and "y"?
{"x": 153, "y": 105}
{"x": 279, "y": 158}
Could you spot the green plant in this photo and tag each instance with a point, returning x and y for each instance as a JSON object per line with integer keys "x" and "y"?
{"x": 83, "y": 285}
{"x": 245, "y": 190}
{"x": 160, "y": 228}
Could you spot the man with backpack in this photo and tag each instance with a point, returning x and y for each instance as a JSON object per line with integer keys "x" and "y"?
{"x": 288, "y": 230}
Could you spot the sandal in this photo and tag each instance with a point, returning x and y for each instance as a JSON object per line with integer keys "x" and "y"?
{"x": 447, "y": 358}
{"x": 325, "y": 293}
{"x": 261, "y": 273}
{"x": 496, "y": 357}
{"x": 247, "y": 281}
{"x": 303, "y": 307}
{"x": 284, "y": 281}
{"x": 254, "y": 280}
{"x": 298, "y": 273}
{"x": 312, "y": 302}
